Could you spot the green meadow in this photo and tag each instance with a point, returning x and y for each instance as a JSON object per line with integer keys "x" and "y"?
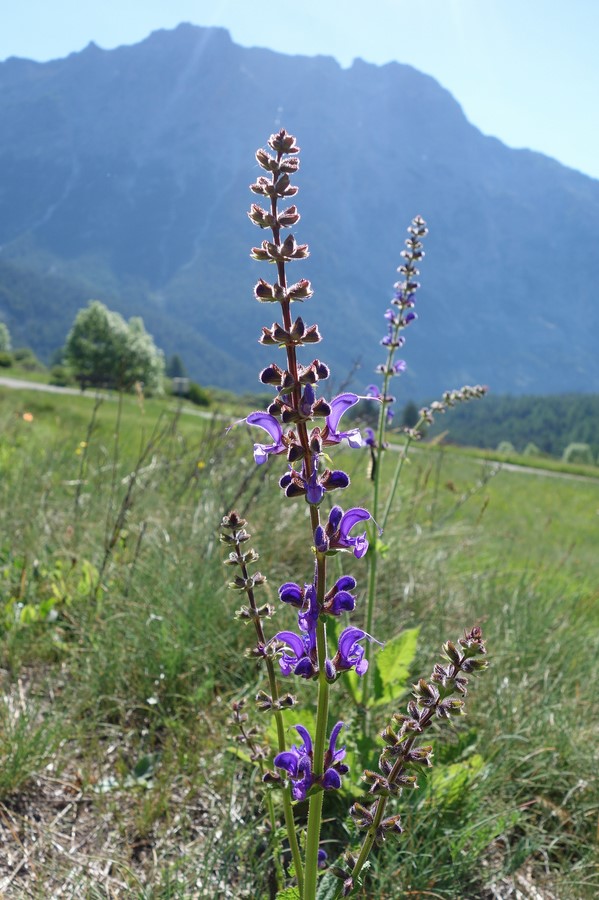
{"x": 121, "y": 656}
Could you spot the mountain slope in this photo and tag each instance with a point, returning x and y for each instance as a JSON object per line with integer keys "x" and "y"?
{"x": 124, "y": 176}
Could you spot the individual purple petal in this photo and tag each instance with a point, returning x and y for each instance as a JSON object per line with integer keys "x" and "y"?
{"x": 345, "y": 583}
{"x": 359, "y": 544}
{"x": 350, "y": 518}
{"x": 331, "y": 780}
{"x": 333, "y": 739}
{"x": 336, "y": 479}
{"x": 305, "y": 668}
{"x": 314, "y": 489}
{"x": 305, "y": 736}
{"x": 372, "y": 392}
{"x": 291, "y": 593}
{"x": 287, "y": 760}
{"x": 339, "y": 405}
{"x": 342, "y": 602}
{"x": 335, "y": 516}
{"x": 291, "y": 640}
{"x": 308, "y": 617}
{"x": 329, "y": 670}
{"x": 321, "y": 541}
{"x": 269, "y": 424}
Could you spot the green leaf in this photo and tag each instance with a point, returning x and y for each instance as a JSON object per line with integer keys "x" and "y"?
{"x": 146, "y": 766}
{"x": 392, "y": 666}
{"x": 289, "y": 893}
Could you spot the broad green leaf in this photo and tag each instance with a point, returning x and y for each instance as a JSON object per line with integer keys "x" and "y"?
{"x": 392, "y": 666}
{"x": 289, "y": 893}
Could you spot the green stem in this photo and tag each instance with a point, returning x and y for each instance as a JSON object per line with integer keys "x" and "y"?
{"x": 322, "y": 716}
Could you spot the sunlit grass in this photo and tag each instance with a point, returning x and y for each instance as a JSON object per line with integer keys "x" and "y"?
{"x": 141, "y": 663}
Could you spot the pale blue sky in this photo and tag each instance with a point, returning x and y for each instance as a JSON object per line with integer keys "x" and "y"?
{"x": 526, "y": 71}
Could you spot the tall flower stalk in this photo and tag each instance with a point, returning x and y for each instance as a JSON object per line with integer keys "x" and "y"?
{"x": 398, "y": 317}
{"x": 302, "y": 426}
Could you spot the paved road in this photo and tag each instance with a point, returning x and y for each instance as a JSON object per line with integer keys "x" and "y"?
{"x": 21, "y": 384}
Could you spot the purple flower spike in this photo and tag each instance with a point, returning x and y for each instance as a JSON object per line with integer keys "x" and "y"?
{"x": 270, "y": 424}
{"x": 339, "y": 406}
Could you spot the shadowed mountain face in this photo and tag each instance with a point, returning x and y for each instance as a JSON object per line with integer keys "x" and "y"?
{"x": 124, "y": 177}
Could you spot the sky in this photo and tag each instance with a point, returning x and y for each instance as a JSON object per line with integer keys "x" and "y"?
{"x": 525, "y": 71}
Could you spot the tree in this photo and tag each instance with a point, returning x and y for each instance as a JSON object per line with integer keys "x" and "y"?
{"x": 175, "y": 367}
{"x": 103, "y": 350}
{"x": 5, "y": 345}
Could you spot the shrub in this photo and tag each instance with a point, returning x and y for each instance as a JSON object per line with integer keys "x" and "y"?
{"x": 532, "y": 450}
{"x": 578, "y": 453}
{"x": 198, "y": 394}
{"x": 26, "y": 358}
{"x": 61, "y": 376}
{"x": 6, "y": 359}
{"x": 506, "y": 447}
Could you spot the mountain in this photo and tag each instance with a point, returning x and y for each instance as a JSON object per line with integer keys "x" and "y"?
{"x": 124, "y": 177}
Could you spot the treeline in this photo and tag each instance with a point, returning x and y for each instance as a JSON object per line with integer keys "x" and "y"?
{"x": 551, "y": 423}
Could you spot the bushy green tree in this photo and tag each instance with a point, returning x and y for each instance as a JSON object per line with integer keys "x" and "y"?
{"x": 103, "y": 350}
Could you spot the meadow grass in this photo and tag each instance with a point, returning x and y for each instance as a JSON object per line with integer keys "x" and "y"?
{"x": 120, "y": 657}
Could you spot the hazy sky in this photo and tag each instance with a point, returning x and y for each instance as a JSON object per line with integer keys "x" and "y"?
{"x": 526, "y": 71}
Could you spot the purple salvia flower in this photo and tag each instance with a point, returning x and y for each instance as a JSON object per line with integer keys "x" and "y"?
{"x": 299, "y": 654}
{"x": 339, "y": 600}
{"x": 298, "y": 763}
{"x": 295, "y": 484}
{"x": 350, "y": 654}
{"x": 271, "y": 425}
{"x": 341, "y": 523}
{"x": 370, "y": 439}
{"x": 373, "y": 393}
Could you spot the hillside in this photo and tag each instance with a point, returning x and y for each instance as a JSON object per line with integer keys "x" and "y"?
{"x": 124, "y": 176}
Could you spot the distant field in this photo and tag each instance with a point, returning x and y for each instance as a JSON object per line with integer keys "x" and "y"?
{"x": 120, "y": 657}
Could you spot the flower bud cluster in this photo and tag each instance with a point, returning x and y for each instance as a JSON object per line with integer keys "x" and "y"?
{"x": 402, "y": 756}
{"x": 398, "y": 318}
{"x": 295, "y": 403}
{"x": 449, "y": 400}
